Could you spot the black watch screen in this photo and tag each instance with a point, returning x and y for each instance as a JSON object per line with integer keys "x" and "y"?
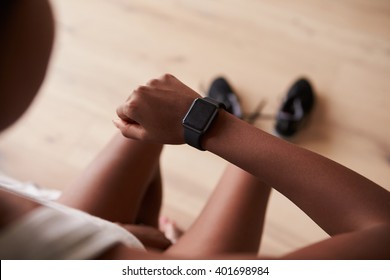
{"x": 200, "y": 115}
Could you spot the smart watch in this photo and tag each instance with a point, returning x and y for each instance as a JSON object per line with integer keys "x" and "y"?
{"x": 198, "y": 119}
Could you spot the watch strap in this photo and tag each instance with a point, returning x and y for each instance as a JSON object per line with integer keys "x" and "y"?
{"x": 215, "y": 102}
{"x": 193, "y": 138}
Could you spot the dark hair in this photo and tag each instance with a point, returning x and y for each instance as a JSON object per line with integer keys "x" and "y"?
{"x": 5, "y": 3}
{"x": 5, "y": 11}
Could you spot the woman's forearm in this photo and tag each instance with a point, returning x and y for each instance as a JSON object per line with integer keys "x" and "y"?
{"x": 335, "y": 197}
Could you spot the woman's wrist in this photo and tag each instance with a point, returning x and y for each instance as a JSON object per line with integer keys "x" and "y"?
{"x": 213, "y": 139}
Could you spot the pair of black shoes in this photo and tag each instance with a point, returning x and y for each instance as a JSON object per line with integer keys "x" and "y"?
{"x": 292, "y": 113}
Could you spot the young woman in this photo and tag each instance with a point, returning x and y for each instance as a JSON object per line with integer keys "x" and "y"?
{"x": 111, "y": 211}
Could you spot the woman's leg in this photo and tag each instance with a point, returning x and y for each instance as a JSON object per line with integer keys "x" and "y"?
{"x": 149, "y": 211}
{"x": 232, "y": 220}
{"x": 124, "y": 176}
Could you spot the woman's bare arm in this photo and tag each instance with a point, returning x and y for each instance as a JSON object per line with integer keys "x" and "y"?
{"x": 338, "y": 199}
{"x": 351, "y": 208}
{"x": 335, "y": 197}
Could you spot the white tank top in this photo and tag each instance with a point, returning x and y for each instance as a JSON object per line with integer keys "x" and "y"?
{"x": 55, "y": 231}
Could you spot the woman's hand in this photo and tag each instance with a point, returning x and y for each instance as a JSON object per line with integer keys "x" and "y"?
{"x": 154, "y": 112}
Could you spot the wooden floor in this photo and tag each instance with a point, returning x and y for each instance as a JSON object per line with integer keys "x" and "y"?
{"x": 106, "y": 48}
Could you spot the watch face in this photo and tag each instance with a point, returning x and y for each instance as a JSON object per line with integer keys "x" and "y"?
{"x": 200, "y": 115}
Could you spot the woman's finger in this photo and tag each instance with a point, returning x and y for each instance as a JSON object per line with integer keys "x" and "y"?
{"x": 131, "y": 130}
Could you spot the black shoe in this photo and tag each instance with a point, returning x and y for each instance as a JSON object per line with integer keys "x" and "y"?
{"x": 295, "y": 108}
{"x": 221, "y": 91}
